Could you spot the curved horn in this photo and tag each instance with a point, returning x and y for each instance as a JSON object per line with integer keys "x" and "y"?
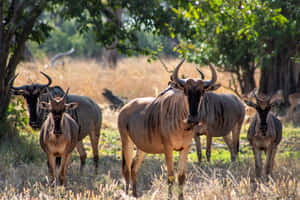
{"x": 11, "y": 83}
{"x": 49, "y": 80}
{"x": 213, "y": 78}
{"x": 175, "y": 78}
{"x": 201, "y": 73}
{"x": 66, "y": 94}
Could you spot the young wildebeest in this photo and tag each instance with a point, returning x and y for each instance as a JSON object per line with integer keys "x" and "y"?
{"x": 265, "y": 132}
{"x": 87, "y": 115}
{"x": 161, "y": 125}
{"x": 59, "y": 136}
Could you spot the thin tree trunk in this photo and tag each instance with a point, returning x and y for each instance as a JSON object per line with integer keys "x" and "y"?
{"x": 278, "y": 74}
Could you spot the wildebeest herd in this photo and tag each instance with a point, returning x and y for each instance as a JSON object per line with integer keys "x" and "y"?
{"x": 186, "y": 109}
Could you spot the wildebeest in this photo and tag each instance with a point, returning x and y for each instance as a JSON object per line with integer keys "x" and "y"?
{"x": 220, "y": 114}
{"x": 161, "y": 125}
{"x": 87, "y": 115}
{"x": 58, "y": 136}
{"x": 265, "y": 131}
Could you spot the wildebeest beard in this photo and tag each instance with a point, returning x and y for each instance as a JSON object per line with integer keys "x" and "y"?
{"x": 263, "y": 126}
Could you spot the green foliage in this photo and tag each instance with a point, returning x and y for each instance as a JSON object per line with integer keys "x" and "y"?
{"x": 17, "y": 114}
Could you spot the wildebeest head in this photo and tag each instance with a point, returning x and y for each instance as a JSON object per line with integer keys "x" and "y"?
{"x": 194, "y": 90}
{"x": 56, "y": 108}
{"x": 263, "y": 105}
{"x": 31, "y": 94}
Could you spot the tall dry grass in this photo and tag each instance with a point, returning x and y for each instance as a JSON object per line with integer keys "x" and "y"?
{"x": 132, "y": 78}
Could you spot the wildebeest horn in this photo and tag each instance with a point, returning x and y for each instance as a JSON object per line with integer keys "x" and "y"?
{"x": 213, "y": 78}
{"x": 201, "y": 73}
{"x": 66, "y": 94}
{"x": 175, "y": 78}
{"x": 11, "y": 83}
{"x": 49, "y": 81}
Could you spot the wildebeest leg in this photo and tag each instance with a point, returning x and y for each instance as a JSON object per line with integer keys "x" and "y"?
{"x": 52, "y": 168}
{"x": 181, "y": 170}
{"x": 82, "y": 154}
{"x": 169, "y": 160}
{"x": 198, "y": 147}
{"x": 228, "y": 142}
{"x": 258, "y": 162}
{"x": 140, "y": 155}
{"x": 127, "y": 151}
{"x": 236, "y": 138}
{"x": 94, "y": 136}
{"x": 208, "y": 147}
{"x": 63, "y": 168}
{"x": 270, "y": 159}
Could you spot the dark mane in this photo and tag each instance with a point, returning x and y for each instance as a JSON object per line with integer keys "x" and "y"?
{"x": 166, "y": 113}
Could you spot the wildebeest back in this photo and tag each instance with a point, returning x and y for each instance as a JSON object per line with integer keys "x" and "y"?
{"x": 220, "y": 112}
{"x": 87, "y": 115}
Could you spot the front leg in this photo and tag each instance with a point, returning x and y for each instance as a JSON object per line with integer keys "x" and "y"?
{"x": 169, "y": 160}
{"x": 181, "y": 170}
{"x": 52, "y": 168}
{"x": 271, "y": 152}
{"x": 258, "y": 162}
{"x": 63, "y": 168}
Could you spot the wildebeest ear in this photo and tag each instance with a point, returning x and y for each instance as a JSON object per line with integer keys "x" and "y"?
{"x": 71, "y": 106}
{"x": 213, "y": 87}
{"x": 16, "y": 92}
{"x": 44, "y": 105}
{"x": 277, "y": 98}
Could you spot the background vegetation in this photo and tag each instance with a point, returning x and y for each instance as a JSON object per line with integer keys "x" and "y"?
{"x": 23, "y": 169}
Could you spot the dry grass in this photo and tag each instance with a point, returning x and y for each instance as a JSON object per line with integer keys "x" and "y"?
{"x": 133, "y": 78}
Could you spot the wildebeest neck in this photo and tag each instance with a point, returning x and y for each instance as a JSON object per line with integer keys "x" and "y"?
{"x": 263, "y": 114}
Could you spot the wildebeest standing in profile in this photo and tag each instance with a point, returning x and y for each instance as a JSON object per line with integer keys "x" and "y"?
{"x": 87, "y": 115}
{"x": 161, "y": 125}
{"x": 59, "y": 136}
{"x": 265, "y": 131}
{"x": 220, "y": 114}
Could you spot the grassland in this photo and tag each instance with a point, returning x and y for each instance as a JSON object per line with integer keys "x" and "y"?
{"x": 23, "y": 170}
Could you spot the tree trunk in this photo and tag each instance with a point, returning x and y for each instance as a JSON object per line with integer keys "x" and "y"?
{"x": 110, "y": 54}
{"x": 278, "y": 73}
{"x": 248, "y": 80}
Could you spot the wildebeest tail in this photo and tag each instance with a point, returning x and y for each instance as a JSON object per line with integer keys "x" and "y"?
{"x": 123, "y": 164}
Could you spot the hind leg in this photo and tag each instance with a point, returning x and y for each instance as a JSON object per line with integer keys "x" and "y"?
{"x": 198, "y": 147}
{"x": 127, "y": 151}
{"x": 82, "y": 154}
{"x": 208, "y": 147}
{"x": 228, "y": 142}
{"x": 140, "y": 155}
{"x": 94, "y": 136}
{"x": 236, "y": 138}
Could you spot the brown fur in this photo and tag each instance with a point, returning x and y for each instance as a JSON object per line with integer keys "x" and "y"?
{"x": 59, "y": 147}
{"x": 154, "y": 125}
{"x": 220, "y": 114}
{"x": 264, "y": 134}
